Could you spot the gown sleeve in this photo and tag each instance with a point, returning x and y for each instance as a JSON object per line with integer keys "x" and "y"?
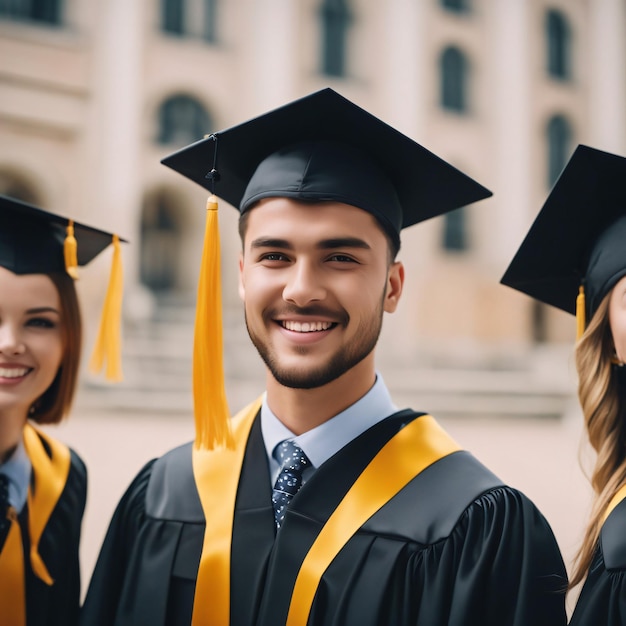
{"x": 108, "y": 579}
{"x": 59, "y": 548}
{"x": 501, "y": 566}
{"x": 603, "y": 597}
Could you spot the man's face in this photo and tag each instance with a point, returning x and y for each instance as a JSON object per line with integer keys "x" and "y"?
{"x": 315, "y": 281}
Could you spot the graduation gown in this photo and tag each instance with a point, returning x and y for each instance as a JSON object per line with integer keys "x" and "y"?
{"x": 57, "y": 604}
{"x": 603, "y": 597}
{"x": 454, "y": 547}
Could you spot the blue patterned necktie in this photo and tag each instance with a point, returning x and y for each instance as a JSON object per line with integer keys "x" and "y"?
{"x": 5, "y": 522}
{"x": 292, "y": 462}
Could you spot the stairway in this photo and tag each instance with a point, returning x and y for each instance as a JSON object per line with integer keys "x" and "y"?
{"x": 157, "y": 375}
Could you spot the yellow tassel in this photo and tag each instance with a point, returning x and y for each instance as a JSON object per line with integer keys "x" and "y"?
{"x": 580, "y": 313}
{"x": 108, "y": 346}
{"x": 211, "y": 412}
{"x": 70, "y": 251}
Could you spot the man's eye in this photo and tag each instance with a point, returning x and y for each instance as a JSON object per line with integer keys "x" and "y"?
{"x": 342, "y": 258}
{"x": 274, "y": 256}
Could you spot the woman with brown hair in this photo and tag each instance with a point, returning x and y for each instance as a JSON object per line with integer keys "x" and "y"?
{"x": 42, "y": 482}
{"x": 574, "y": 258}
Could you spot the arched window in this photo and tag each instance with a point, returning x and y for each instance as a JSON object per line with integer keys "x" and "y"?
{"x": 44, "y": 11}
{"x": 559, "y": 140}
{"x": 335, "y": 19}
{"x": 15, "y": 187}
{"x": 458, "y": 6}
{"x": 453, "y": 80}
{"x": 193, "y": 18}
{"x": 160, "y": 243}
{"x": 455, "y": 231}
{"x": 557, "y": 45}
{"x": 182, "y": 120}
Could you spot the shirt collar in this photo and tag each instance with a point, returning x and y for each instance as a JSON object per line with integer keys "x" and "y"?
{"x": 17, "y": 469}
{"x": 324, "y": 440}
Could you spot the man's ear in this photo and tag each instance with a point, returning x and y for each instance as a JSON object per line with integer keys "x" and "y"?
{"x": 395, "y": 282}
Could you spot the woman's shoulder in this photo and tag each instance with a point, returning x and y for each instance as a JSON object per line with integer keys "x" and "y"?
{"x": 613, "y": 538}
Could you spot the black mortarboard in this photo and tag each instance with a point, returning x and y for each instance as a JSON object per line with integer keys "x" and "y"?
{"x": 324, "y": 147}
{"x": 34, "y": 241}
{"x": 319, "y": 148}
{"x": 578, "y": 239}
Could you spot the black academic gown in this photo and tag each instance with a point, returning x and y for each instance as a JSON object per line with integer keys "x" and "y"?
{"x": 602, "y": 600}
{"x": 58, "y": 604}
{"x": 454, "y": 547}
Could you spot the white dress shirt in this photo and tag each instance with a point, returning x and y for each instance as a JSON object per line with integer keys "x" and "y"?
{"x": 321, "y": 442}
{"x": 17, "y": 469}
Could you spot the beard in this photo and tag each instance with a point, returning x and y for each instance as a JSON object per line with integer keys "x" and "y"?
{"x": 344, "y": 359}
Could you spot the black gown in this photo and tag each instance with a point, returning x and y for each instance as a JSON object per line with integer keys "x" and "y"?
{"x": 454, "y": 547}
{"x": 58, "y": 604}
{"x": 603, "y": 597}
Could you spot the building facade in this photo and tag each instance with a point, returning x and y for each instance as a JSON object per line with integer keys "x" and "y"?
{"x": 94, "y": 94}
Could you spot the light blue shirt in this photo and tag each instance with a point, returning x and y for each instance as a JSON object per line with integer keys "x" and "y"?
{"x": 320, "y": 443}
{"x": 17, "y": 469}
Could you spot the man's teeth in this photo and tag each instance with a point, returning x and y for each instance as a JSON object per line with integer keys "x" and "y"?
{"x": 307, "y": 327}
{"x": 13, "y": 372}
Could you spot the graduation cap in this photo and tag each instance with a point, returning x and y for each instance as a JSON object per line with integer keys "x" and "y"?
{"x": 575, "y": 251}
{"x": 322, "y": 147}
{"x": 34, "y": 241}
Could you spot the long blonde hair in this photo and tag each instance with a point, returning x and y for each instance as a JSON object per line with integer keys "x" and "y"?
{"x": 603, "y": 413}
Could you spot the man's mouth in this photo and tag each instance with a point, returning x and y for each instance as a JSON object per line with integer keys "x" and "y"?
{"x": 306, "y": 327}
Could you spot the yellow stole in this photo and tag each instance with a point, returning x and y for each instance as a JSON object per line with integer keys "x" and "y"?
{"x": 50, "y": 476}
{"x": 419, "y": 444}
{"x": 615, "y": 500}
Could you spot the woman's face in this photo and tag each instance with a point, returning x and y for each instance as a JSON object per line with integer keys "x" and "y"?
{"x": 617, "y": 318}
{"x": 31, "y": 339}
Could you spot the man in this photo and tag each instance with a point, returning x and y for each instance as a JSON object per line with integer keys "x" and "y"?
{"x": 391, "y": 523}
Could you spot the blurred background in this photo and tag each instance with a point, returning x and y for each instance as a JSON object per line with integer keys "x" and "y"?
{"x": 93, "y": 94}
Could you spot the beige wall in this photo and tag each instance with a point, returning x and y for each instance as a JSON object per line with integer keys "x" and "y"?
{"x": 78, "y": 118}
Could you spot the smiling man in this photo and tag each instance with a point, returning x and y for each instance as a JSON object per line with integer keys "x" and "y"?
{"x": 325, "y": 504}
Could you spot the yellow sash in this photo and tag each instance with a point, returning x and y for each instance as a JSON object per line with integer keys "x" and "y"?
{"x": 615, "y": 500}
{"x": 50, "y": 476}
{"x": 418, "y": 445}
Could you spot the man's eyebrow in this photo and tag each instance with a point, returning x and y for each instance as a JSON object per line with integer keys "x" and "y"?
{"x": 324, "y": 244}
{"x": 343, "y": 242}
{"x": 269, "y": 242}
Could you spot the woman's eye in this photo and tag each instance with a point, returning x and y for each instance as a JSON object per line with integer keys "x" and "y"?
{"x": 41, "y": 322}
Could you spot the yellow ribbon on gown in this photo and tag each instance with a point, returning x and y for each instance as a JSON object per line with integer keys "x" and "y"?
{"x": 418, "y": 445}
{"x": 50, "y": 472}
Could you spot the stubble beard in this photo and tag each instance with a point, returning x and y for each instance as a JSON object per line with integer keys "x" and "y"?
{"x": 347, "y": 357}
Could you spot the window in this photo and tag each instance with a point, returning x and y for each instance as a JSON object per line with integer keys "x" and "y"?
{"x": 182, "y": 120}
{"x": 160, "y": 243}
{"x": 455, "y": 230}
{"x": 557, "y": 45}
{"x": 192, "y": 18}
{"x": 173, "y": 16}
{"x": 335, "y": 18}
{"x": 43, "y": 11}
{"x": 539, "y": 322}
{"x": 454, "y": 78}
{"x": 459, "y": 6}
{"x": 559, "y": 138}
